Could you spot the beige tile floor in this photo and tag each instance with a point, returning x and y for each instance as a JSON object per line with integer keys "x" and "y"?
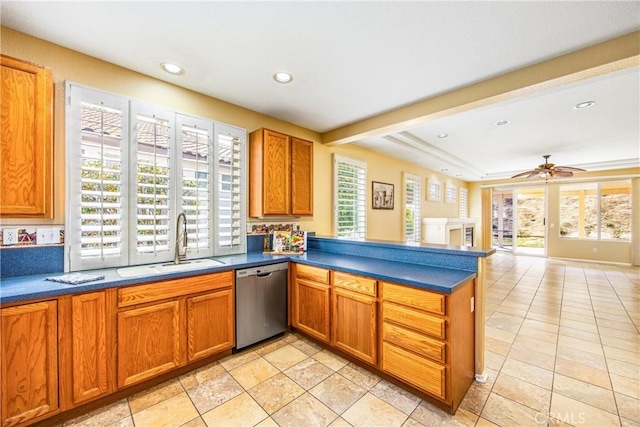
{"x": 563, "y": 348}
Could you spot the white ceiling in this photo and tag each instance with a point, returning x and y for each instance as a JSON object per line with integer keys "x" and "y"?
{"x": 353, "y": 60}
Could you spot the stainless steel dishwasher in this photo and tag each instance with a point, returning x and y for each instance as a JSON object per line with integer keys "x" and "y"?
{"x": 261, "y": 303}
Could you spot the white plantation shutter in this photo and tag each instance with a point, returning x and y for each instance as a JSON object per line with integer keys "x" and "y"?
{"x": 412, "y": 207}
{"x": 196, "y": 165}
{"x": 464, "y": 202}
{"x": 151, "y": 182}
{"x": 350, "y": 177}
{"x": 96, "y": 188}
{"x": 132, "y": 168}
{"x": 231, "y": 213}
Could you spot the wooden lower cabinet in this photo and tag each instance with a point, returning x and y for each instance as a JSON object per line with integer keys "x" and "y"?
{"x": 210, "y": 324}
{"x": 167, "y": 324}
{"x": 149, "y": 342}
{"x": 354, "y": 323}
{"x": 427, "y": 339}
{"x": 414, "y": 369}
{"x": 29, "y": 366}
{"x": 311, "y": 301}
{"x": 87, "y": 360}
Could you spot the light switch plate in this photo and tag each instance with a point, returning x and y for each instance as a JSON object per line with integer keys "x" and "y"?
{"x": 9, "y": 236}
{"x": 41, "y": 236}
{"x": 47, "y": 236}
{"x": 54, "y": 235}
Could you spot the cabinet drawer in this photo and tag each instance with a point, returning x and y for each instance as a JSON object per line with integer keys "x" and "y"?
{"x": 360, "y": 284}
{"x": 316, "y": 274}
{"x": 168, "y": 289}
{"x": 414, "y": 341}
{"x": 414, "y": 297}
{"x": 414, "y": 319}
{"x": 415, "y": 370}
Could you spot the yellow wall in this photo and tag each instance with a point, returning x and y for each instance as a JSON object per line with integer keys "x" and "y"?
{"x": 73, "y": 66}
{"x": 381, "y": 224}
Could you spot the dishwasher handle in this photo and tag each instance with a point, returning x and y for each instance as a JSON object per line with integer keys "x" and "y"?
{"x": 264, "y": 275}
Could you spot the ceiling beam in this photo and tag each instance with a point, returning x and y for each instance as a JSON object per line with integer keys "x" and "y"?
{"x": 603, "y": 58}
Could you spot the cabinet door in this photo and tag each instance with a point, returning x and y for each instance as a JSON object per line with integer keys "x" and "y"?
{"x": 89, "y": 354}
{"x": 210, "y": 324}
{"x": 275, "y": 181}
{"x": 29, "y": 362}
{"x": 354, "y": 324}
{"x": 149, "y": 342}
{"x": 26, "y": 143}
{"x": 311, "y": 308}
{"x": 301, "y": 177}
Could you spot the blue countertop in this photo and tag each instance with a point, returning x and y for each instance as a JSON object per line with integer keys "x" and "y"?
{"x": 434, "y": 278}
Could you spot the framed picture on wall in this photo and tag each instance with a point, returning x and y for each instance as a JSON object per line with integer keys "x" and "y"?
{"x": 450, "y": 193}
{"x": 382, "y": 195}
{"x": 434, "y": 190}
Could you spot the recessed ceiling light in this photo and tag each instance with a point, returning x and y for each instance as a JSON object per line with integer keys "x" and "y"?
{"x": 502, "y": 122}
{"x": 172, "y": 68}
{"x": 444, "y": 170}
{"x": 582, "y": 105}
{"x": 283, "y": 77}
{"x": 443, "y": 135}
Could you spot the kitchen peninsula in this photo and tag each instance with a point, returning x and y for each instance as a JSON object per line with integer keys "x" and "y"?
{"x": 412, "y": 313}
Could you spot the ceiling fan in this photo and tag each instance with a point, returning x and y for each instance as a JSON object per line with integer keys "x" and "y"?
{"x": 549, "y": 170}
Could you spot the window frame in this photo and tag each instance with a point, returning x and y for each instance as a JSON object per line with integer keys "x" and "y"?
{"x": 416, "y": 236}
{"x": 362, "y": 211}
{"x": 76, "y": 95}
{"x": 463, "y": 202}
{"x": 598, "y": 196}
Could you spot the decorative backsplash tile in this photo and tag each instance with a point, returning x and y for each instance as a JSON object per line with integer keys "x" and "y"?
{"x": 269, "y": 227}
{"x": 27, "y": 235}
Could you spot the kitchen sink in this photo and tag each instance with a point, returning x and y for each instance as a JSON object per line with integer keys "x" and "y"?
{"x": 150, "y": 270}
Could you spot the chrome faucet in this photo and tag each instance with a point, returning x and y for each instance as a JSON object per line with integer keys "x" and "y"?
{"x": 178, "y": 256}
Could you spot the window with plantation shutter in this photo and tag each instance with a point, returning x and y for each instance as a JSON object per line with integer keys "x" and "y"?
{"x": 132, "y": 168}
{"x": 97, "y": 192}
{"x": 350, "y": 177}
{"x": 412, "y": 207}
{"x": 230, "y": 207}
{"x": 152, "y": 155}
{"x": 196, "y": 165}
{"x": 464, "y": 202}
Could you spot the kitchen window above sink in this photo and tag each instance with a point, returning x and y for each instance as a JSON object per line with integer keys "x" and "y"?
{"x": 133, "y": 167}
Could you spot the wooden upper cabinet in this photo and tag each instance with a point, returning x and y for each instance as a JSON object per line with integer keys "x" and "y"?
{"x": 29, "y": 368}
{"x": 26, "y": 153}
{"x": 301, "y": 177}
{"x": 280, "y": 174}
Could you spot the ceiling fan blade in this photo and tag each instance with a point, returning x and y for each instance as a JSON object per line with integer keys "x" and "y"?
{"x": 563, "y": 174}
{"x": 569, "y": 169}
{"x": 533, "y": 174}
{"x": 522, "y": 174}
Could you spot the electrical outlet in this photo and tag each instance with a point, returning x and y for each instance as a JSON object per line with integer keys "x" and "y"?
{"x": 9, "y": 236}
